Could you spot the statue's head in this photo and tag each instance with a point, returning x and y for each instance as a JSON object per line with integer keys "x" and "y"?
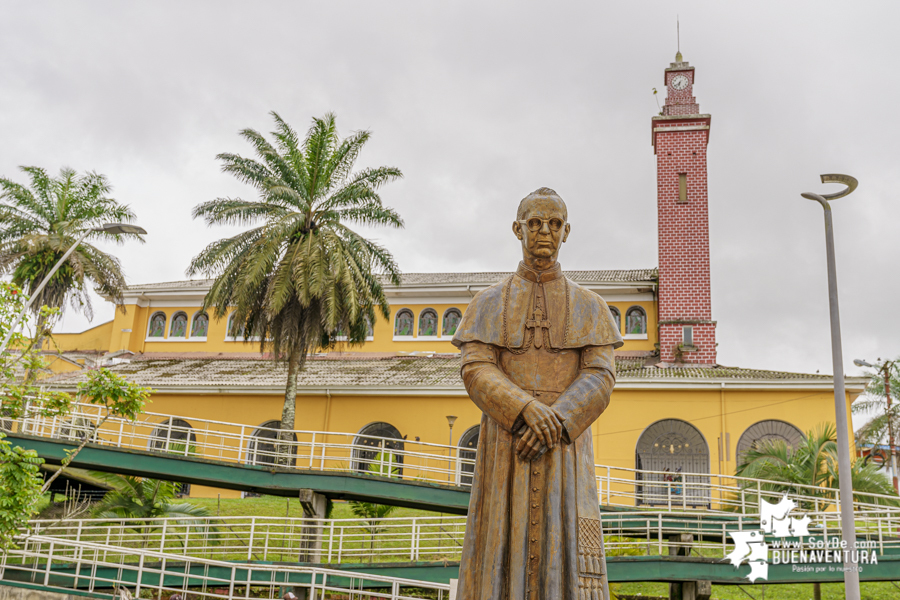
{"x": 541, "y": 224}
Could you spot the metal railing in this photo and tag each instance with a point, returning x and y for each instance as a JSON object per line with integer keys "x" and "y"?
{"x": 64, "y": 563}
{"x": 411, "y": 460}
{"x": 415, "y": 539}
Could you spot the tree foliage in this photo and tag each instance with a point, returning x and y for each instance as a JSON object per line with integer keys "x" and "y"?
{"x": 142, "y": 500}
{"x": 20, "y": 475}
{"x": 20, "y": 478}
{"x": 814, "y": 462}
{"x": 23, "y": 357}
{"x": 876, "y": 431}
{"x": 300, "y": 277}
{"x": 41, "y": 221}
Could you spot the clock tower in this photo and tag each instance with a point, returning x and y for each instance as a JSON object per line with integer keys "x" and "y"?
{"x": 687, "y": 333}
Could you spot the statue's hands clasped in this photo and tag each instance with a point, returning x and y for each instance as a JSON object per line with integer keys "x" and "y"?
{"x": 544, "y": 431}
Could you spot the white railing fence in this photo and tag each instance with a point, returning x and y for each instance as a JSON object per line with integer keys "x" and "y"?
{"x": 410, "y": 460}
{"x": 415, "y": 539}
{"x": 94, "y": 567}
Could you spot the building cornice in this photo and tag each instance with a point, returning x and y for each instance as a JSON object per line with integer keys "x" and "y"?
{"x": 854, "y": 385}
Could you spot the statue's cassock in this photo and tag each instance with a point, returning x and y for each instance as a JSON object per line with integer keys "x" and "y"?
{"x": 533, "y": 527}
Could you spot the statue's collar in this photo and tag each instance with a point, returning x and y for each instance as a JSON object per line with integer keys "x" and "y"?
{"x": 539, "y": 276}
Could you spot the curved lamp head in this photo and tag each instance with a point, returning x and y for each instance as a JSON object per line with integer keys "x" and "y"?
{"x": 861, "y": 363}
{"x": 848, "y": 180}
{"x": 118, "y": 228}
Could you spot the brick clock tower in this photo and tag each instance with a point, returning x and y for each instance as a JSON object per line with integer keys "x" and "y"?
{"x": 687, "y": 333}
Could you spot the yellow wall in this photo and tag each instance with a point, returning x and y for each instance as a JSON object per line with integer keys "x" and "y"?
{"x": 615, "y": 434}
{"x": 631, "y": 411}
{"x": 95, "y": 338}
{"x": 649, "y": 307}
{"x": 115, "y": 335}
{"x": 61, "y": 365}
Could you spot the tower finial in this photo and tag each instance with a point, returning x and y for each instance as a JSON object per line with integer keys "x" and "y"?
{"x": 678, "y": 57}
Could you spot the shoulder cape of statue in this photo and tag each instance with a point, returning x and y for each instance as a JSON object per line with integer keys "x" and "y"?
{"x": 587, "y": 322}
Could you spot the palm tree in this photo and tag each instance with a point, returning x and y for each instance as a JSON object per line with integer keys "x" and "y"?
{"x": 40, "y": 222}
{"x": 301, "y": 277}
{"x": 142, "y": 500}
{"x": 877, "y": 430}
{"x": 814, "y": 462}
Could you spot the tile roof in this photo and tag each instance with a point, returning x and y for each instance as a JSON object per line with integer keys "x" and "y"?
{"x": 611, "y": 276}
{"x": 440, "y": 370}
{"x": 617, "y": 276}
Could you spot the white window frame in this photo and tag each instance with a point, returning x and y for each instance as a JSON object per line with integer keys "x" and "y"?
{"x": 190, "y": 336}
{"x": 165, "y": 334}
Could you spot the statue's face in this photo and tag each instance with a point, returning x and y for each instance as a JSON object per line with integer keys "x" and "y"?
{"x": 543, "y": 227}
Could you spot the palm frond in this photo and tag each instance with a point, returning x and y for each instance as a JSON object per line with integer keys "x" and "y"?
{"x": 301, "y": 276}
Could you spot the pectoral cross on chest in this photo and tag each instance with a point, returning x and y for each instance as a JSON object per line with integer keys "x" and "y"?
{"x": 537, "y": 323}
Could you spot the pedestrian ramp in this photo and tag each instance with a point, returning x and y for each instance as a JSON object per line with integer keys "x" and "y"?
{"x": 374, "y": 469}
{"x": 59, "y": 564}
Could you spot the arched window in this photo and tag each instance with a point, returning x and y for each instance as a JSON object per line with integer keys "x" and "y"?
{"x": 370, "y": 331}
{"x": 175, "y": 436}
{"x": 378, "y": 450}
{"x": 671, "y": 448}
{"x": 428, "y": 323}
{"x": 635, "y": 321}
{"x": 6, "y": 423}
{"x": 263, "y": 446}
{"x": 468, "y": 444}
{"x": 233, "y": 330}
{"x": 617, "y": 317}
{"x": 157, "y": 326}
{"x": 200, "y": 325}
{"x": 403, "y": 323}
{"x": 178, "y": 328}
{"x": 75, "y": 428}
{"x": 765, "y": 431}
{"x": 452, "y": 317}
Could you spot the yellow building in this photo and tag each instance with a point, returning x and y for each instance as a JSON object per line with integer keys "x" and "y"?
{"x": 673, "y": 406}
{"x": 405, "y": 381}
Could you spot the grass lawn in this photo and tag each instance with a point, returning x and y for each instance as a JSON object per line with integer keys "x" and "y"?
{"x": 274, "y": 506}
{"x": 803, "y": 591}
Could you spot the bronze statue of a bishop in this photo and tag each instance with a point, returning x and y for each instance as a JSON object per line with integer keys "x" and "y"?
{"x": 537, "y": 359}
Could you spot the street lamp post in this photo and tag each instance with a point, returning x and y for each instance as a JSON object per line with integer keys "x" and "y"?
{"x": 451, "y": 419}
{"x": 848, "y": 527}
{"x": 115, "y": 228}
{"x": 886, "y": 373}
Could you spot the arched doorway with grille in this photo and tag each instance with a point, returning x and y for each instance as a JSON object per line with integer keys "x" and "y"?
{"x": 468, "y": 445}
{"x": 263, "y": 446}
{"x": 175, "y": 436}
{"x": 763, "y": 431}
{"x": 672, "y": 448}
{"x": 376, "y": 446}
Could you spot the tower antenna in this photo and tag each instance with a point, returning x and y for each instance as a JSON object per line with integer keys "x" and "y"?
{"x": 678, "y": 32}
{"x": 678, "y": 37}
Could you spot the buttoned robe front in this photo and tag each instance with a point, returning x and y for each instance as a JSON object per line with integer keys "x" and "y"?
{"x": 528, "y": 521}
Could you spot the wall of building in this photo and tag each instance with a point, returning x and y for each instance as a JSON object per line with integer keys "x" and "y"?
{"x": 129, "y": 329}
{"x": 615, "y": 434}
{"x": 96, "y": 338}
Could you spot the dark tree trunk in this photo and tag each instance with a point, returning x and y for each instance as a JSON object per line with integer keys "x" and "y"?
{"x": 290, "y": 405}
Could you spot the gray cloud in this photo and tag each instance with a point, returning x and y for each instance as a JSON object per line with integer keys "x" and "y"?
{"x": 481, "y": 103}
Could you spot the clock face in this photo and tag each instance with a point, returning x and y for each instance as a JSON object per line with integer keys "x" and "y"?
{"x": 679, "y": 82}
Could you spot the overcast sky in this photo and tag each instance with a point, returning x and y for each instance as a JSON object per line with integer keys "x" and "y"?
{"x": 479, "y": 103}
